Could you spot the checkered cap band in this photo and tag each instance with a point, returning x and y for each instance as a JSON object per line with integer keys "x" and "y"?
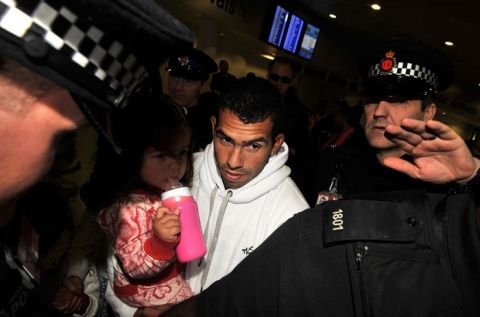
{"x": 86, "y": 45}
{"x": 407, "y": 70}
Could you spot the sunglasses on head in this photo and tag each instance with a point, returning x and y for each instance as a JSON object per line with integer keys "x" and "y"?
{"x": 283, "y": 79}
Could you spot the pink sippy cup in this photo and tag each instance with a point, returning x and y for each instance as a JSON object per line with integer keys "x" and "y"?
{"x": 191, "y": 245}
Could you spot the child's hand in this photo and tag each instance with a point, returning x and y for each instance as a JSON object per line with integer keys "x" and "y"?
{"x": 166, "y": 224}
{"x": 70, "y": 297}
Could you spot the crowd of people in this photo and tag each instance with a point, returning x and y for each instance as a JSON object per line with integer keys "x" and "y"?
{"x": 352, "y": 211}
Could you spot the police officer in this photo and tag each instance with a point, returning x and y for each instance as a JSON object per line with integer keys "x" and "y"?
{"x": 64, "y": 64}
{"x": 393, "y": 253}
{"x": 402, "y": 79}
{"x": 189, "y": 70}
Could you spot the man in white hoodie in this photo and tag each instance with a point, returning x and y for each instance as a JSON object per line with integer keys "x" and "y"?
{"x": 241, "y": 183}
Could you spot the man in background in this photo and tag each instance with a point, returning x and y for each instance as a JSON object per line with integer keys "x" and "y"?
{"x": 282, "y": 73}
{"x": 223, "y": 79}
{"x": 189, "y": 70}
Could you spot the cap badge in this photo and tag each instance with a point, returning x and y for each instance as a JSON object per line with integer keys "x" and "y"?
{"x": 183, "y": 60}
{"x": 388, "y": 63}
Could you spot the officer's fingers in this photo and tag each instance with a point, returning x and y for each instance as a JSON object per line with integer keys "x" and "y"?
{"x": 420, "y": 128}
{"x": 406, "y": 146}
{"x": 398, "y": 135}
{"x": 442, "y": 130}
{"x": 430, "y": 129}
{"x": 401, "y": 165}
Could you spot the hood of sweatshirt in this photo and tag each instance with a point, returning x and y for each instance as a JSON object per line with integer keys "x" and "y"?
{"x": 274, "y": 172}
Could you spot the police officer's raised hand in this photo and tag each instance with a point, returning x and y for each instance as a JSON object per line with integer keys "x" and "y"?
{"x": 440, "y": 154}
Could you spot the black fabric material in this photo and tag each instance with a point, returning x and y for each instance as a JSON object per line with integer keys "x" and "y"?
{"x": 359, "y": 171}
{"x": 13, "y": 295}
{"x": 199, "y": 120}
{"x": 221, "y": 82}
{"x": 294, "y": 273}
{"x": 16, "y": 300}
{"x": 294, "y": 126}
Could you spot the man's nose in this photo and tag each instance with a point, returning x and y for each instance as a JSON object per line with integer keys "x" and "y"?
{"x": 178, "y": 84}
{"x": 235, "y": 159}
{"x": 381, "y": 109}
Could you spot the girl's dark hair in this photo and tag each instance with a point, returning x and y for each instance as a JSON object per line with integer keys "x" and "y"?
{"x": 148, "y": 121}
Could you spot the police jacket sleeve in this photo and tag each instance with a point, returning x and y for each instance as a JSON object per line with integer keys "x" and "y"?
{"x": 255, "y": 286}
{"x": 290, "y": 274}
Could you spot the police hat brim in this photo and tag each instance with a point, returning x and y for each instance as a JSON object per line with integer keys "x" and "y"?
{"x": 188, "y": 75}
{"x": 395, "y": 88}
{"x": 192, "y": 64}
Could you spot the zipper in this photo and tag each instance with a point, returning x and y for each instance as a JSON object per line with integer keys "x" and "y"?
{"x": 360, "y": 249}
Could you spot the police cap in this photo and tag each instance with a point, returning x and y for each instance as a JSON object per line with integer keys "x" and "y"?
{"x": 191, "y": 64}
{"x": 405, "y": 69}
{"x": 100, "y": 50}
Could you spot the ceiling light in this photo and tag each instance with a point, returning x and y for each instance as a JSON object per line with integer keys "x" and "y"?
{"x": 268, "y": 56}
{"x": 448, "y": 43}
{"x": 375, "y": 7}
{"x": 333, "y": 16}
{"x": 444, "y": 113}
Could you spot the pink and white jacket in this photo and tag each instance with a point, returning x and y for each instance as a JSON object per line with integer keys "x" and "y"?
{"x": 146, "y": 272}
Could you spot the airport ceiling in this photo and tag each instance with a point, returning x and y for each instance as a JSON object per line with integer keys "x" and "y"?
{"x": 430, "y": 21}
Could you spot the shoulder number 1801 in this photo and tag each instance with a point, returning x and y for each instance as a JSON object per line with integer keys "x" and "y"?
{"x": 337, "y": 220}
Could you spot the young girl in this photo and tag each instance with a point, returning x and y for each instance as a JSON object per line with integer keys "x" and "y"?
{"x": 156, "y": 150}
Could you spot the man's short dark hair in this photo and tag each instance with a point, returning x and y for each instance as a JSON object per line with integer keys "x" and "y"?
{"x": 253, "y": 100}
{"x": 284, "y": 60}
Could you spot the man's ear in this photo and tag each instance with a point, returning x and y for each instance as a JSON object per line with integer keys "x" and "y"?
{"x": 429, "y": 112}
{"x": 277, "y": 144}
{"x": 213, "y": 120}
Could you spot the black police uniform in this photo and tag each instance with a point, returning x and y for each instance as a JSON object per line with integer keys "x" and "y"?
{"x": 402, "y": 254}
{"x": 410, "y": 252}
{"x": 193, "y": 64}
{"x": 358, "y": 170}
{"x": 221, "y": 82}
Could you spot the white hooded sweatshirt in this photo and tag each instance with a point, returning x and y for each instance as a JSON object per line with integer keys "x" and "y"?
{"x": 236, "y": 221}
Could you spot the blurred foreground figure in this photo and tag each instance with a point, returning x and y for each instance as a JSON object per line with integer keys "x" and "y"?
{"x": 64, "y": 64}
